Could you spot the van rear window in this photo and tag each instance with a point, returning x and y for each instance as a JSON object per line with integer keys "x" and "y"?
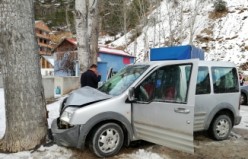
{"x": 225, "y": 79}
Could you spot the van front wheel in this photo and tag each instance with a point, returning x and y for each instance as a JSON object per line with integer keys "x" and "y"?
{"x": 221, "y": 127}
{"x": 106, "y": 140}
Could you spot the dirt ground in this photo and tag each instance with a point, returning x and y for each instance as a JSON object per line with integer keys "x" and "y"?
{"x": 205, "y": 148}
{"x": 236, "y": 147}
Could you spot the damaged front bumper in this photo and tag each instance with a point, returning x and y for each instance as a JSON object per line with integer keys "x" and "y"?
{"x": 68, "y": 137}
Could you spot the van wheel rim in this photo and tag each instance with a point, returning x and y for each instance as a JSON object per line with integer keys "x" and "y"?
{"x": 109, "y": 140}
{"x": 222, "y": 128}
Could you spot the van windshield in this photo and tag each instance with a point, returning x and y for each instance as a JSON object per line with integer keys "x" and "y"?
{"x": 123, "y": 79}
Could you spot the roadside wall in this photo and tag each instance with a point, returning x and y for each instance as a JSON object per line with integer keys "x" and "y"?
{"x": 48, "y": 84}
{"x": 51, "y": 83}
{"x": 64, "y": 85}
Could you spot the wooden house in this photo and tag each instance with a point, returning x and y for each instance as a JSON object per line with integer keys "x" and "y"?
{"x": 108, "y": 58}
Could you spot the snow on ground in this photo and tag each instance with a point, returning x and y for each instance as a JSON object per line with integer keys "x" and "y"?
{"x": 53, "y": 110}
{"x": 142, "y": 154}
{"x": 52, "y": 152}
{"x": 244, "y": 120}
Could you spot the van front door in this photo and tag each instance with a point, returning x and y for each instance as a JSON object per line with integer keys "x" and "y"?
{"x": 164, "y": 110}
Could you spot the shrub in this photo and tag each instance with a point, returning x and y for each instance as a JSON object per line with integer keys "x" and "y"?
{"x": 220, "y": 6}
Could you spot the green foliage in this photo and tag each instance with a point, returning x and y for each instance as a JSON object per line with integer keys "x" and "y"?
{"x": 220, "y": 6}
{"x": 112, "y": 14}
{"x": 55, "y": 16}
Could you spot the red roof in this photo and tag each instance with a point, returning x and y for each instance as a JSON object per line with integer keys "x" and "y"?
{"x": 114, "y": 51}
{"x": 42, "y": 26}
{"x": 103, "y": 49}
{"x": 72, "y": 41}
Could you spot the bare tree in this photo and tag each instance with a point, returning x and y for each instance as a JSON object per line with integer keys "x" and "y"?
{"x": 86, "y": 17}
{"x": 176, "y": 23}
{"x": 26, "y": 122}
{"x": 142, "y": 11}
{"x": 197, "y": 6}
{"x": 171, "y": 15}
{"x": 67, "y": 18}
{"x": 93, "y": 30}
{"x": 81, "y": 19}
{"x": 125, "y": 21}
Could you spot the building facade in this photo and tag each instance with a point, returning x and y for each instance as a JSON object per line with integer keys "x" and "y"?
{"x": 43, "y": 39}
{"x": 108, "y": 58}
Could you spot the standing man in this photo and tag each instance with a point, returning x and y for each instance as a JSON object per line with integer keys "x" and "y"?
{"x": 90, "y": 77}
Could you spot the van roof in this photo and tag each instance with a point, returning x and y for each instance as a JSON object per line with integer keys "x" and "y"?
{"x": 200, "y": 63}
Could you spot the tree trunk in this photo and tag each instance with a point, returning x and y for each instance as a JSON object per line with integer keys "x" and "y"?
{"x": 87, "y": 32}
{"x": 194, "y": 13}
{"x": 81, "y": 18}
{"x": 93, "y": 29}
{"x": 67, "y": 18}
{"x": 26, "y": 122}
{"x": 125, "y": 21}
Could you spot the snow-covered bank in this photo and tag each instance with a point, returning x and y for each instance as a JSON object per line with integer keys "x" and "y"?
{"x": 223, "y": 37}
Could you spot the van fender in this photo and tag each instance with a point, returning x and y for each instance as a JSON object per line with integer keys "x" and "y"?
{"x": 217, "y": 109}
{"x": 92, "y": 122}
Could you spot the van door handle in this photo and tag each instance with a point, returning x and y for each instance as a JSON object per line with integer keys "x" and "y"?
{"x": 182, "y": 110}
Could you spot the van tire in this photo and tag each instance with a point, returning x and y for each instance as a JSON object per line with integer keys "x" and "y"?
{"x": 221, "y": 127}
{"x": 106, "y": 140}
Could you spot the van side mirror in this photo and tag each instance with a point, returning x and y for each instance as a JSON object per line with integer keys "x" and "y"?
{"x": 130, "y": 94}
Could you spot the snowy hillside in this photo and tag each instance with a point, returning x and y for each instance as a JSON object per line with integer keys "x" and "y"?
{"x": 223, "y": 36}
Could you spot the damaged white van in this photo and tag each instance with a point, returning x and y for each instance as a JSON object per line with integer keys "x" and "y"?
{"x": 162, "y": 102}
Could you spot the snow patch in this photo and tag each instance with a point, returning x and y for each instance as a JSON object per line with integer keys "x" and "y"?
{"x": 142, "y": 154}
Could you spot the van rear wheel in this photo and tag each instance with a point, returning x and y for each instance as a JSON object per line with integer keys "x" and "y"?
{"x": 221, "y": 127}
{"x": 106, "y": 140}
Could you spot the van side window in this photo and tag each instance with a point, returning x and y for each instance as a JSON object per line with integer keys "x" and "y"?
{"x": 225, "y": 80}
{"x": 203, "y": 81}
{"x": 167, "y": 84}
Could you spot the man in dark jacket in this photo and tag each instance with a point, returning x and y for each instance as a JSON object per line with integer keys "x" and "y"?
{"x": 90, "y": 77}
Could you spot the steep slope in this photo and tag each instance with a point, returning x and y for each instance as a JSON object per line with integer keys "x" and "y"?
{"x": 223, "y": 36}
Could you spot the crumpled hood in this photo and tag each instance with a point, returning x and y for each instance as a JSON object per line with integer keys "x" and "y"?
{"x": 85, "y": 95}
